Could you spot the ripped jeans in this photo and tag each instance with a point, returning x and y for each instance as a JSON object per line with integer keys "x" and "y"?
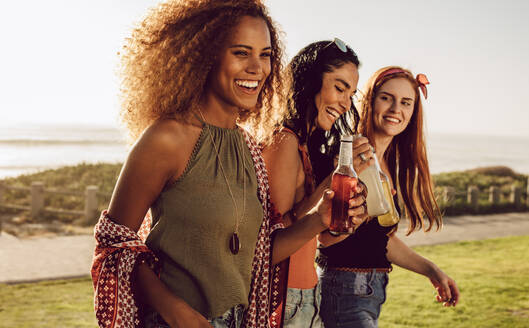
{"x": 352, "y": 299}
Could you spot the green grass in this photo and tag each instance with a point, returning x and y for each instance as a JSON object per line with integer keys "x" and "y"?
{"x": 492, "y": 275}
{"x": 60, "y": 303}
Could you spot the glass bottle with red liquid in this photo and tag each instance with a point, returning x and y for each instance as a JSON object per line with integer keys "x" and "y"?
{"x": 344, "y": 182}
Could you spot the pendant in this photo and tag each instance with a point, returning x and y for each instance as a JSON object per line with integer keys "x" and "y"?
{"x": 235, "y": 244}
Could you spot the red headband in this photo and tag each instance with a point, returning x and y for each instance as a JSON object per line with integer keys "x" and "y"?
{"x": 421, "y": 79}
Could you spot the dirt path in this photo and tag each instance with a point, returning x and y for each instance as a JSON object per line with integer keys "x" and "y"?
{"x": 33, "y": 259}
{"x": 469, "y": 227}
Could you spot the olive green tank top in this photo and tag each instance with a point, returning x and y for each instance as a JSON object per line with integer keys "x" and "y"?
{"x": 194, "y": 219}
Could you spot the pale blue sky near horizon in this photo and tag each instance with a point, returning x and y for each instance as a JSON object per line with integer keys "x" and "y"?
{"x": 59, "y": 56}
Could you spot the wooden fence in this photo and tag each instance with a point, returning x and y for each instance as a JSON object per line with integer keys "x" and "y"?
{"x": 90, "y": 213}
{"x": 494, "y": 195}
{"x": 38, "y": 193}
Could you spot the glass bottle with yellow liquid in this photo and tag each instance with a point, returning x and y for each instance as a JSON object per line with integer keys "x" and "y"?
{"x": 376, "y": 200}
{"x": 392, "y": 217}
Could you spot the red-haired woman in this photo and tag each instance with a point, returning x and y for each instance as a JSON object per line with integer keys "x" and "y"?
{"x": 355, "y": 271}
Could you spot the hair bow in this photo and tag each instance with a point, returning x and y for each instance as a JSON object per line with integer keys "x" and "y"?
{"x": 422, "y": 81}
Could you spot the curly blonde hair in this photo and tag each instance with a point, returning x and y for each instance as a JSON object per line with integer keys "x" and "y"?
{"x": 166, "y": 62}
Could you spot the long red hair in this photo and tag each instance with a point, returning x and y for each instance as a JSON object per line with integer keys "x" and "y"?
{"x": 406, "y": 155}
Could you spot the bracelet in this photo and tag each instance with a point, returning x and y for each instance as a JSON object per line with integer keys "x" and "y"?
{"x": 329, "y": 232}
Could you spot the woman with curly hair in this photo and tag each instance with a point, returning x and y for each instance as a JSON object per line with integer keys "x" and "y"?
{"x": 323, "y": 77}
{"x": 193, "y": 72}
{"x": 356, "y": 270}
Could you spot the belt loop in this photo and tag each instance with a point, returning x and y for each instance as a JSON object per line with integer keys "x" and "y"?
{"x": 373, "y": 274}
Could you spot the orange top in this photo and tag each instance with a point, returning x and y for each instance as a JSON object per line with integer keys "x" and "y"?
{"x": 302, "y": 270}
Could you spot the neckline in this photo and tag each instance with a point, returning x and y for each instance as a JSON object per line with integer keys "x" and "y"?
{"x": 236, "y": 128}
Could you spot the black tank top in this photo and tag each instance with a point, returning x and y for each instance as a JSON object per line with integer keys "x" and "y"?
{"x": 366, "y": 248}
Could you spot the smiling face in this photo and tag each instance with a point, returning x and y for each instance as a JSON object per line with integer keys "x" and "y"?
{"x": 335, "y": 96}
{"x": 243, "y": 65}
{"x": 393, "y": 107}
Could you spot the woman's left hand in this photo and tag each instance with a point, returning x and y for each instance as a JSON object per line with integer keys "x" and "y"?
{"x": 447, "y": 291}
{"x": 363, "y": 154}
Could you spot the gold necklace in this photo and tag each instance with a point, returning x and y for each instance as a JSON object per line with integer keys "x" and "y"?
{"x": 235, "y": 243}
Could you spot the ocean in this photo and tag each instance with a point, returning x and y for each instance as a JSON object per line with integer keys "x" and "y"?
{"x": 28, "y": 149}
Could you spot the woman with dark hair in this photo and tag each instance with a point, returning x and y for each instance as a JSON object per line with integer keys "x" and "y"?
{"x": 323, "y": 78}
{"x": 193, "y": 72}
{"x": 355, "y": 271}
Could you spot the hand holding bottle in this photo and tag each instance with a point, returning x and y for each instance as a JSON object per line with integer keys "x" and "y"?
{"x": 363, "y": 154}
{"x": 358, "y": 205}
{"x": 345, "y": 185}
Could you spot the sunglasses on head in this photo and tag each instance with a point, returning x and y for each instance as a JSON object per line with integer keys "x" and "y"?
{"x": 339, "y": 44}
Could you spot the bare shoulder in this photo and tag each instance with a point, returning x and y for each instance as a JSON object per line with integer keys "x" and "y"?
{"x": 285, "y": 173}
{"x": 158, "y": 156}
{"x": 169, "y": 134}
{"x": 282, "y": 143}
{"x": 166, "y": 144}
{"x": 282, "y": 158}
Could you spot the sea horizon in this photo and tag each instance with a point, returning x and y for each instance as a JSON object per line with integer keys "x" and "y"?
{"x": 30, "y": 148}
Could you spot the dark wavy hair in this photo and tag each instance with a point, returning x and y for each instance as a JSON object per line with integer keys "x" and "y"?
{"x": 406, "y": 154}
{"x": 167, "y": 60}
{"x": 305, "y": 72}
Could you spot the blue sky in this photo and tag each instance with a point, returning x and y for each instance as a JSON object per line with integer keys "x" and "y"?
{"x": 58, "y": 58}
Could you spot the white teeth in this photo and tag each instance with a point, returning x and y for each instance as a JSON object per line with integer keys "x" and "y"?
{"x": 247, "y": 83}
{"x": 391, "y": 119}
{"x": 333, "y": 113}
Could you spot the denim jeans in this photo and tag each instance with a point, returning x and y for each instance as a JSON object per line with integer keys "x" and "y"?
{"x": 302, "y": 308}
{"x": 230, "y": 319}
{"x": 352, "y": 299}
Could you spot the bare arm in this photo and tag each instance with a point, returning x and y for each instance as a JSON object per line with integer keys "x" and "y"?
{"x": 287, "y": 241}
{"x": 147, "y": 169}
{"x": 285, "y": 175}
{"x": 286, "y": 178}
{"x": 158, "y": 156}
{"x": 400, "y": 254}
{"x": 287, "y": 192}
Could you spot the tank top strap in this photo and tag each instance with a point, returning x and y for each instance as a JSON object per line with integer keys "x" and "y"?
{"x": 310, "y": 179}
